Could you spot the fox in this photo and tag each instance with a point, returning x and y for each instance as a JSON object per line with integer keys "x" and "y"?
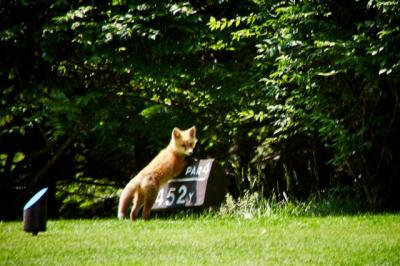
{"x": 142, "y": 190}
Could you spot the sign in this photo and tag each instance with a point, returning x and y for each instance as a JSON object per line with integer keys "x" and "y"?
{"x": 202, "y": 183}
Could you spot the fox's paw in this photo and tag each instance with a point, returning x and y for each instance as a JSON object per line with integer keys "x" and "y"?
{"x": 121, "y": 216}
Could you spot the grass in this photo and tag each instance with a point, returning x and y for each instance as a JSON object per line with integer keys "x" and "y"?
{"x": 207, "y": 240}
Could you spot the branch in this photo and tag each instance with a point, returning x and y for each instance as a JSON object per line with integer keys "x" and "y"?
{"x": 39, "y": 176}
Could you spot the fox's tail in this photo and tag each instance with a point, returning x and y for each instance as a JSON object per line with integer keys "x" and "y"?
{"x": 125, "y": 199}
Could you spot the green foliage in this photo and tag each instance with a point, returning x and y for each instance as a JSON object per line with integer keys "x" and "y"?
{"x": 328, "y": 77}
{"x": 255, "y": 206}
{"x": 294, "y": 97}
{"x": 86, "y": 196}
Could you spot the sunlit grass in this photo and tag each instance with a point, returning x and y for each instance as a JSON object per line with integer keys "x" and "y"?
{"x": 199, "y": 240}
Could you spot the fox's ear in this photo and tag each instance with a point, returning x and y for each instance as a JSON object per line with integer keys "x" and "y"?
{"x": 192, "y": 131}
{"x": 176, "y": 133}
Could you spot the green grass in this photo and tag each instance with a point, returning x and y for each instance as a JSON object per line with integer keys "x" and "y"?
{"x": 340, "y": 240}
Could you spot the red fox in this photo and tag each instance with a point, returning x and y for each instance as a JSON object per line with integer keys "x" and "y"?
{"x": 169, "y": 163}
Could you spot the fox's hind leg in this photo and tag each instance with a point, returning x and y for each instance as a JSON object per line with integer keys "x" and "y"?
{"x": 151, "y": 192}
{"x": 137, "y": 203}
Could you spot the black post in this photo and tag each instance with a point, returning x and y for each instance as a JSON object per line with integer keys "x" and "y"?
{"x": 35, "y": 213}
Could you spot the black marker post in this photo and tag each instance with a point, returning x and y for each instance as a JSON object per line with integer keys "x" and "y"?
{"x": 35, "y": 213}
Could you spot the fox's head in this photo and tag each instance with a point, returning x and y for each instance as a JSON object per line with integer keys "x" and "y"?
{"x": 184, "y": 141}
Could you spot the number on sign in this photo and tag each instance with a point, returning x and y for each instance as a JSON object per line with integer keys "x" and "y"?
{"x": 182, "y": 193}
{"x": 175, "y": 196}
{"x": 159, "y": 200}
{"x": 170, "y": 196}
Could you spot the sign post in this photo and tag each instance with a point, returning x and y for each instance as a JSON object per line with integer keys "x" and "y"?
{"x": 202, "y": 184}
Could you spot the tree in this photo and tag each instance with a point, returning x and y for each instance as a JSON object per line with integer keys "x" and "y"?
{"x": 298, "y": 97}
{"x": 329, "y": 78}
{"x": 92, "y": 90}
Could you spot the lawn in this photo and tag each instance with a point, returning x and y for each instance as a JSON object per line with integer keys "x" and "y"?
{"x": 207, "y": 240}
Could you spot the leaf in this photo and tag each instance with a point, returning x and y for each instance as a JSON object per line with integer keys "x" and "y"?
{"x": 212, "y": 24}
{"x": 382, "y": 71}
{"x": 327, "y": 74}
{"x": 237, "y": 22}
{"x": 152, "y": 111}
{"x": 12, "y": 74}
{"x": 19, "y": 156}
{"x": 6, "y": 120}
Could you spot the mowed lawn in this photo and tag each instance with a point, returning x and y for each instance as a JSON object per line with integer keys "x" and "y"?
{"x": 347, "y": 240}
